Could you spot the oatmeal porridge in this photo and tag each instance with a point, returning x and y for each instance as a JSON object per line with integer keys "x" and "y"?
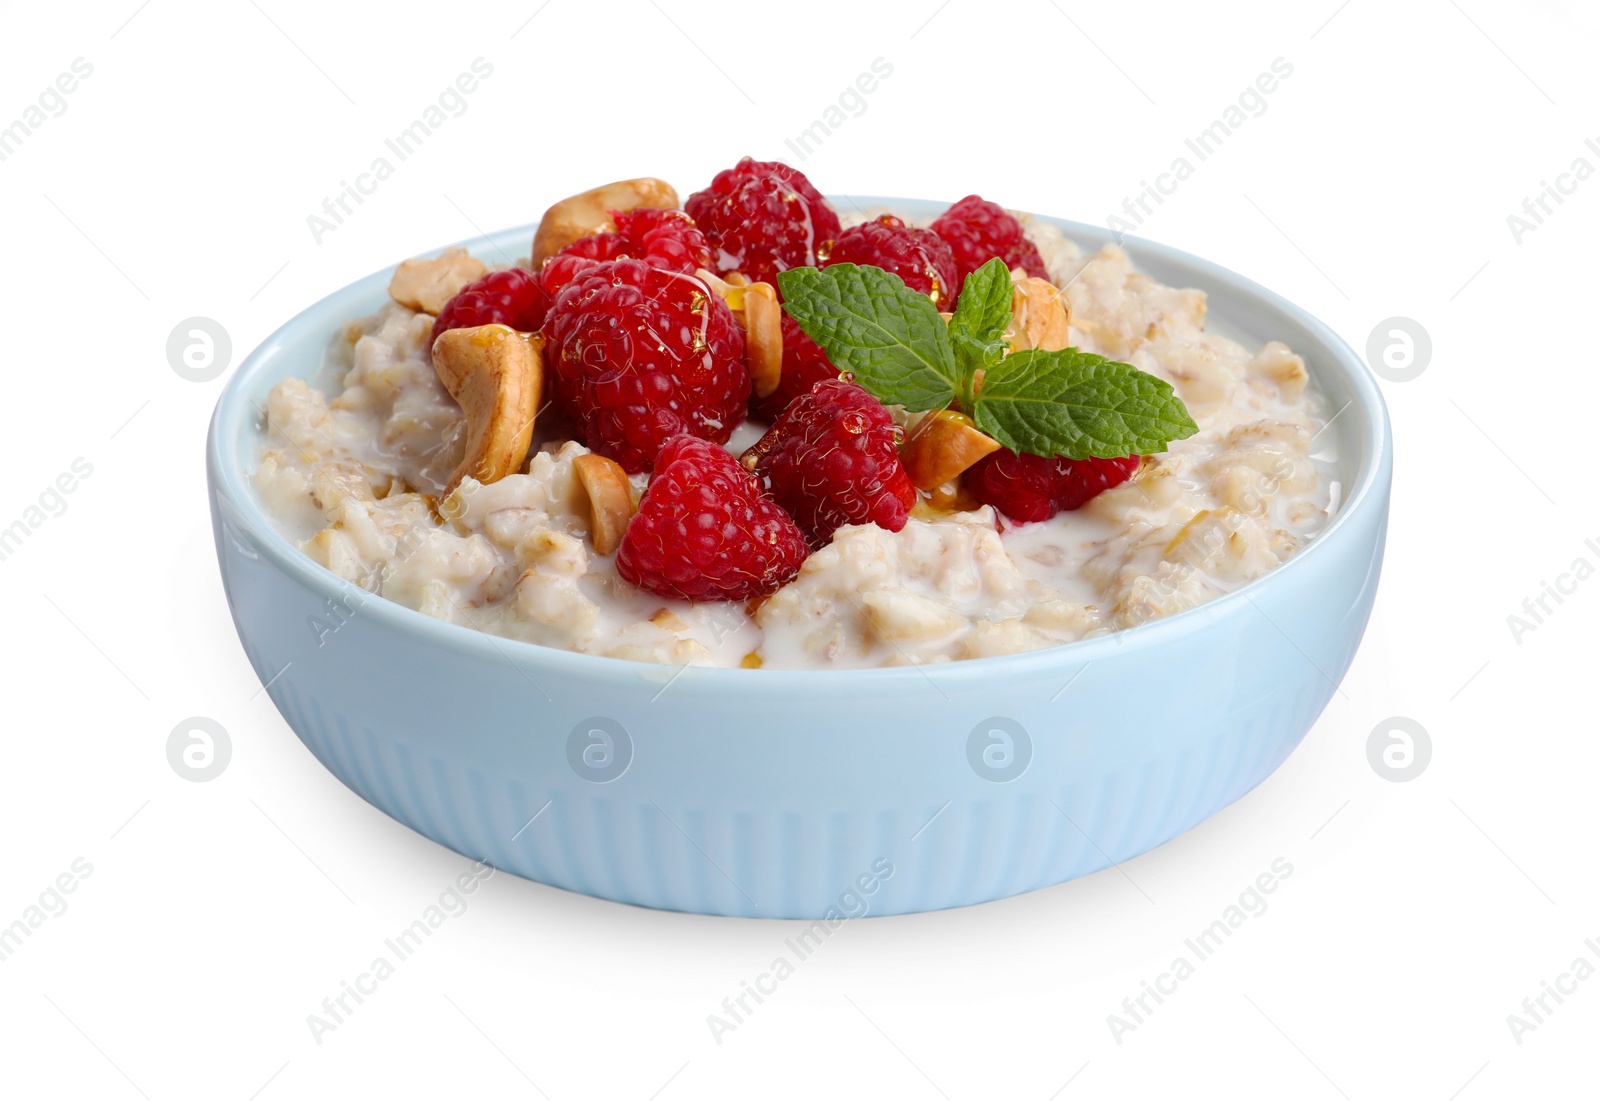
{"x": 401, "y": 468}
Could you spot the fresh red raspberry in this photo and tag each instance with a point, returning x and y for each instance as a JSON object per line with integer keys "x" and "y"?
{"x": 1019, "y": 485}
{"x": 705, "y": 531}
{"x": 512, "y": 297}
{"x": 832, "y": 459}
{"x": 582, "y": 254}
{"x": 1085, "y": 479}
{"x": 641, "y": 354}
{"x": 665, "y": 238}
{"x": 978, "y": 230}
{"x": 763, "y": 217}
{"x": 1027, "y": 488}
{"x": 804, "y": 365}
{"x": 918, "y": 256}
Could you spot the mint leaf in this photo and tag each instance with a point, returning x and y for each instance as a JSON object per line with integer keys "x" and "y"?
{"x": 1079, "y": 405}
{"x": 871, "y": 324}
{"x": 977, "y": 328}
{"x": 984, "y": 308}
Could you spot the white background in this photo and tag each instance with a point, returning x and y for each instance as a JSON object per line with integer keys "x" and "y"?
{"x": 219, "y": 915}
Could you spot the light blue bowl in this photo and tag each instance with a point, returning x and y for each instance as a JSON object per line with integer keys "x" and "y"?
{"x": 800, "y": 794}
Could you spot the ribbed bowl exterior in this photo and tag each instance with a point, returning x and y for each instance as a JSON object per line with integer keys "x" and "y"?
{"x": 800, "y": 794}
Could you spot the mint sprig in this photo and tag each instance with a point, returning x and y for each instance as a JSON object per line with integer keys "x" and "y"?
{"x": 894, "y": 342}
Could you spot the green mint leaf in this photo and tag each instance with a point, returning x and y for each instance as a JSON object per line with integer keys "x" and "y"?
{"x": 984, "y": 308}
{"x": 871, "y": 324}
{"x": 977, "y": 329}
{"x": 1079, "y": 405}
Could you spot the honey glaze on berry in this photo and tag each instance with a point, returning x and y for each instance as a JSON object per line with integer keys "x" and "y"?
{"x": 356, "y": 465}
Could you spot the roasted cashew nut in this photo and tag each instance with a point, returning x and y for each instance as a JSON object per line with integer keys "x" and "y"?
{"x": 940, "y": 504}
{"x": 496, "y": 375}
{"x": 590, "y": 212}
{"x": 426, "y": 285}
{"x": 756, "y": 304}
{"x": 763, "y": 337}
{"x": 941, "y": 446}
{"x": 1038, "y": 316}
{"x": 610, "y": 499}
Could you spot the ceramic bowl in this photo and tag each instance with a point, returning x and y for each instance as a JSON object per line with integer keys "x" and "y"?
{"x": 796, "y": 793}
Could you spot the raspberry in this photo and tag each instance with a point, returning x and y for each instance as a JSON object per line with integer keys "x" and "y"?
{"x": 1032, "y": 487}
{"x": 833, "y": 459}
{"x": 705, "y": 531}
{"x": 804, "y": 365}
{"x": 641, "y": 354}
{"x": 978, "y": 230}
{"x": 665, "y": 238}
{"x": 1085, "y": 479}
{"x": 512, "y": 297}
{"x": 1021, "y": 486}
{"x": 918, "y": 256}
{"x": 582, "y": 254}
{"x": 763, "y": 217}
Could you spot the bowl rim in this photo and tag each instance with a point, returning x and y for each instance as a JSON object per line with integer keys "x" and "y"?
{"x": 1367, "y": 493}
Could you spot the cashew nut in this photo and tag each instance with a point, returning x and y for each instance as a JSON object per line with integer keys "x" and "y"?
{"x": 426, "y": 285}
{"x": 723, "y": 288}
{"x": 496, "y": 375}
{"x": 763, "y": 337}
{"x": 670, "y": 621}
{"x": 590, "y": 212}
{"x": 941, "y": 445}
{"x": 952, "y": 497}
{"x": 757, "y": 306}
{"x": 610, "y": 499}
{"x": 1038, "y": 316}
